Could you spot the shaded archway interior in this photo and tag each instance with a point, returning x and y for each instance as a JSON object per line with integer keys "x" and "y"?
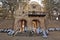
{"x": 23, "y": 24}
{"x": 35, "y": 24}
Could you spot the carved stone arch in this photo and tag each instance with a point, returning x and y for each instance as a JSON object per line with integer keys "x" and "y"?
{"x": 32, "y": 6}
{"x": 22, "y": 24}
{"x": 36, "y": 22}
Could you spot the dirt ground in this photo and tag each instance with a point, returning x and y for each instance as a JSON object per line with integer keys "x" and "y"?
{"x": 52, "y": 36}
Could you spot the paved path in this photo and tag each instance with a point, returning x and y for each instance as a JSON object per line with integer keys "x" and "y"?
{"x": 52, "y": 36}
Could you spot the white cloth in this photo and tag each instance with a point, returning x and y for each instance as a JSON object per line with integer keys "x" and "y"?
{"x": 38, "y": 30}
{"x": 44, "y": 33}
{"x": 25, "y": 29}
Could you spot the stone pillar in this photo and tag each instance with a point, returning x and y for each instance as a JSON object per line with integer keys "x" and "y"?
{"x": 20, "y": 25}
{"x": 43, "y": 27}
{"x": 42, "y": 23}
{"x": 16, "y": 24}
{"x": 29, "y": 24}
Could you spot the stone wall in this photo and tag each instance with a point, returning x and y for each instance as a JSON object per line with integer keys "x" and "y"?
{"x": 6, "y": 24}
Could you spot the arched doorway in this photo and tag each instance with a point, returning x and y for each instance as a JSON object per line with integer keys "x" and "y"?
{"x": 23, "y": 24}
{"x": 35, "y": 24}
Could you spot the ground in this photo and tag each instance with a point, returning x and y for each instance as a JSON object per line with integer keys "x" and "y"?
{"x": 52, "y": 36}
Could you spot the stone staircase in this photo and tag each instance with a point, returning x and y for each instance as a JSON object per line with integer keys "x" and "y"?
{"x": 6, "y": 23}
{"x": 22, "y": 34}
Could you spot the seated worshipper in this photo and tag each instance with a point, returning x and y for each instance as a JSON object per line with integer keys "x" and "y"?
{"x": 47, "y": 32}
{"x": 38, "y": 30}
{"x": 25, "y": 29}
{"x": 44, "y": 33}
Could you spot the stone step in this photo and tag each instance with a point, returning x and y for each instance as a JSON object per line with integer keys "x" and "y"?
{"x": 22, "y": 34}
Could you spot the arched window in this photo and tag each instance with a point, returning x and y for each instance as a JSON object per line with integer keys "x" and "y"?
{"x": 33, "y": 12}
{"x": 33, "y": 6}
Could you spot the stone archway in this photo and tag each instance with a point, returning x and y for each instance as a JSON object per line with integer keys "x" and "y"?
{"x": 23, "y": 24}
{"x": 35, "y": 24}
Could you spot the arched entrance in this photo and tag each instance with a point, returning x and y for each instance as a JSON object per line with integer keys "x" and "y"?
{"x": 23, "y": 24}
{"x": 35, "y": 24}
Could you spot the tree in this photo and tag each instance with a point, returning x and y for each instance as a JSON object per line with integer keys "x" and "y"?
{"x": 9, "y": 6}
{"x": 50, "y": 5}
